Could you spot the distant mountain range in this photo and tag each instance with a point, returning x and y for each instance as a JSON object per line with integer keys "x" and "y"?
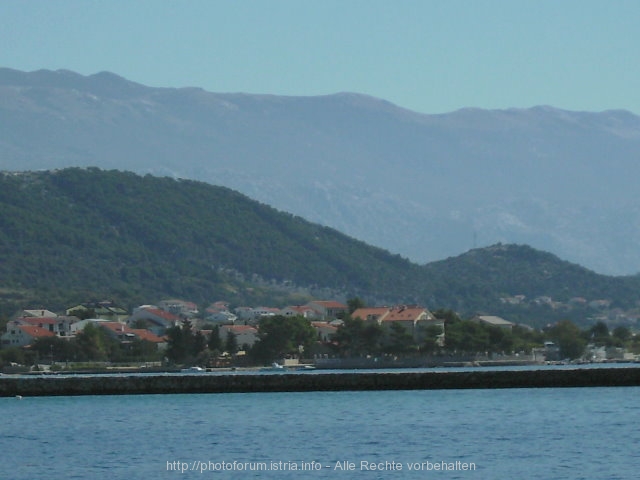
{"x": 423, "y": 186}
{"x": 87, "y": 234}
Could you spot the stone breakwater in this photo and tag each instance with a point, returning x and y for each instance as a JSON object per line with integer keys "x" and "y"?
{"x": 306, "y": 382}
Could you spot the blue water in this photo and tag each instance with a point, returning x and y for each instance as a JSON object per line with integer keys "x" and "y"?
{"x": 579, "y": 433}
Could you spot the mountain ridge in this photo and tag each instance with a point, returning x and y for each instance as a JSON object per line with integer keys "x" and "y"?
{"x": 356, "y": 163}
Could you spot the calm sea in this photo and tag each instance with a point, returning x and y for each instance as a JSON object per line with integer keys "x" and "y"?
{"x": 581, "y": 433}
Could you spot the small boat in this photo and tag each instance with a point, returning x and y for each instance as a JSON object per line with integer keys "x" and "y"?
{"x": 275, "y": 367}
{"x": 193, "y": 370}
{"x": 305, "y": 367}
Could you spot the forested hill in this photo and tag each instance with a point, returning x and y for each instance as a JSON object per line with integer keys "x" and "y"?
{"x": 79, "y": 234}
{"x": 108, "y": 233}
{"x": 487, "y": 279}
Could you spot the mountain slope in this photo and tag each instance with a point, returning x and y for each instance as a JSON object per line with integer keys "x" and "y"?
{"x": 424, "y": 186}
{"x": 108, "y": 232}
{"x": 76, "y": 234}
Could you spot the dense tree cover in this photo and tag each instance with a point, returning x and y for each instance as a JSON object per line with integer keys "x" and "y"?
{"x": 87, "y": 233}
{"x": 356, "y": 338}
{"x": 477, "y": 280}
{"x": 79, "y": 234}
{"x": 281, "y": 336}
{"x": 184, "y": 343}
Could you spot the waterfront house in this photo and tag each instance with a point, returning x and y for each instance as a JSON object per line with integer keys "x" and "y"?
{"x": 328, "y": 309}
{"x": 303, "y": 311}
{"x": 325, "y": 331}
{"x": 117, "y": 330}
{"x": 220, "y": 317}
{"x": 260, "y": 312}
{"x": 371, "y": 314}
{"x": 245, "y": 334}
{"x": 245, "y": 314}
{"x": 414, "y": 318}
{"x": 105, "y": 310}
{"x": 156, "y": 319}
{"x": 149, "y": 336}
{"x": 59, "y": 325}
{"x": 179, "y": 307}
{"x": 125, "y": 334}
{"x": 20, "y": 335}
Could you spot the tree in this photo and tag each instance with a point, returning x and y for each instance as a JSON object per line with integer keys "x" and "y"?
{"x": 281, "y": 336}
{"x": 354, "y": 304}
{"x": 199, "y": 343}
{"x": 569, "y": 339}
{"x": 11, "y": 355}
{"x": 599, "y": 334}
{"x": 181, "y": 343}
{"x": 500, "y": 339}
{"x": 432, "y": 334}
{"x": 466, "y": 336}
{"x": 400, "y": 340}
{"x": 449, "y": 316}
{"x": 55, "y": 349}
{"x": 621, "y": 335}
{"x": 231, "y": 343}
{"x": 214, "y": 342}
{"x": 93, "y": 343}
{"x": 355, "y": 337}
{"x": 143, "y": 350}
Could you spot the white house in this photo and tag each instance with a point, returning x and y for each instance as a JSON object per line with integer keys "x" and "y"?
{"x": 19, "y": 335}
{"x": 158, "y": 319}
{"x": 414, "y": 318}
{"x": 298, "y": 311}
{"x": 325, "y": 330}
{"x": 245, "y": 334}
{"x": 328, "y": 309}
{"x": 58, "y": 325}
{"x": 259, "y": 312}
{"x": 220, "y": 317}
{"x": 179, "y": 307}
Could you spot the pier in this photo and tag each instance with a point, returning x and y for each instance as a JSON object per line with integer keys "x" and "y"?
{"x": 124, "y": 384}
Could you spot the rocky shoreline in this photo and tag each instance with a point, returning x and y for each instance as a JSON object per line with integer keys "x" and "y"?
{"x": 54, "y": 385}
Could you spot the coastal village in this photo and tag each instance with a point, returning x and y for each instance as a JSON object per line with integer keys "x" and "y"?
{"x": 150, "y": 324}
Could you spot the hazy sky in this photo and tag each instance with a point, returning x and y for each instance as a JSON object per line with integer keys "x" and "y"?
{"x": 431, "y": 56}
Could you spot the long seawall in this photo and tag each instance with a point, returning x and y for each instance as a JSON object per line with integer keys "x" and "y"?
{"x": 307, "y": 382}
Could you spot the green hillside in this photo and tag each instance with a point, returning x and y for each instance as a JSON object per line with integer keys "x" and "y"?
{"x": 75, "y": 233}
{"x": 81, "y": 234}
{"x": 483, "y": 279}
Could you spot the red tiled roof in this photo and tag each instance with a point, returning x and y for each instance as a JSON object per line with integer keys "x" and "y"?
{"x": 161, "y": 313}
{"x": 36, "y": 332}
{"x": 325, "y": 325}
{"x": 403, "y": 313}
{"x": 329, "y": 304}
{"x": 370, "y": 312}
{"x": 387, "y": 314}
{"x": 143, "y": 334}
{"x": 116, "y": 327}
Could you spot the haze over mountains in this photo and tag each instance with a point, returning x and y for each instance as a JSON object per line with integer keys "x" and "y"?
{"x": 424, "y": 186}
